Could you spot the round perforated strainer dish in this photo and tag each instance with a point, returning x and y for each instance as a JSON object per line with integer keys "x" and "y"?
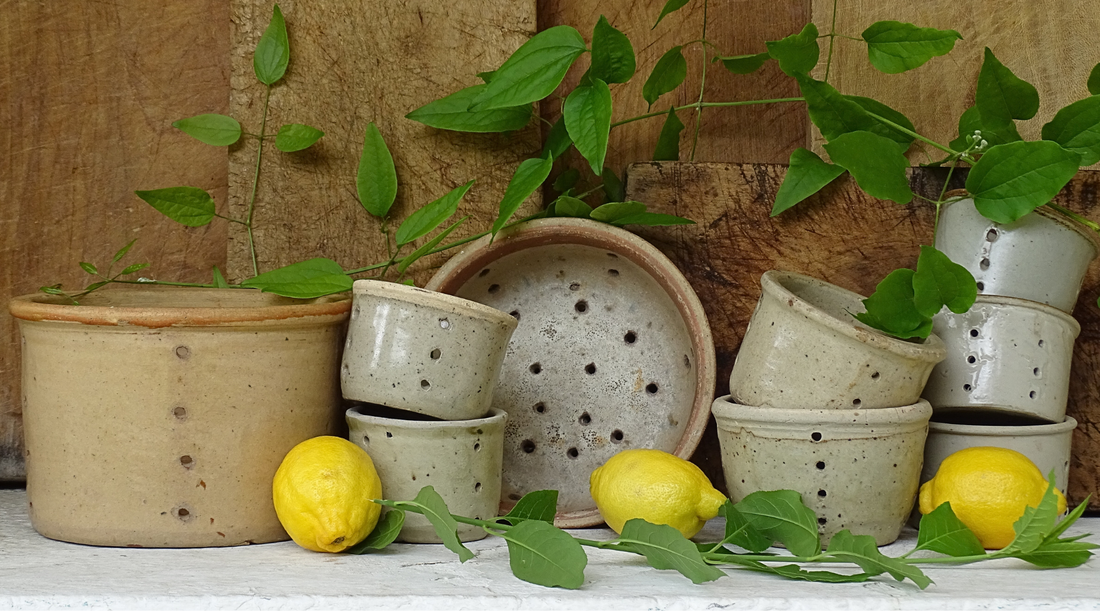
{"x": 613, "y": 351}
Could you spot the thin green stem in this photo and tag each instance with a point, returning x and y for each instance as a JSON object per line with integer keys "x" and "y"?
{"x": 256, "y": 182}
{"x": 939, "y": 200}
{"x": 702, "y": 88}
{"x": 663, "y": 113}
{"x": 166, "y": 283}
{"x": 909, "y": 132}
{"x": 832, "y": 40}
{"x": 231, "y": 220}
{"x": 1077, "y": 217}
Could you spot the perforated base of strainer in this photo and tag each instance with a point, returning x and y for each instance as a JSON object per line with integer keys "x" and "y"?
{"x": 612, "y": 351}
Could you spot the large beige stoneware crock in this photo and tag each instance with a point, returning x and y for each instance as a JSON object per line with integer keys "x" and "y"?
{"x": 157, "y": 417}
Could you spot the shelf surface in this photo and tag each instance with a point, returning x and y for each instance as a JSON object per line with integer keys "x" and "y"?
{"x": 39, "y": 573}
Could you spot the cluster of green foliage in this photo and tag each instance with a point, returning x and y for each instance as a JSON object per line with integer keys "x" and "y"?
{"x": 545, "y": 555}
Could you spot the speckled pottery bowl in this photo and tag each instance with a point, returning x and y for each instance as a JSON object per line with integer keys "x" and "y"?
{"x": 418, "y": 350}
{"x": 856, "y": 469}
{"x": 804, "y": 349}
{"x": 460, "y": 459}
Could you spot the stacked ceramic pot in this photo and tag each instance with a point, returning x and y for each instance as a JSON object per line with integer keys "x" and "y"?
{"x": 1005, "y": 381}
{"x": 421, "y": 367}
{"x": 823, "y": 405}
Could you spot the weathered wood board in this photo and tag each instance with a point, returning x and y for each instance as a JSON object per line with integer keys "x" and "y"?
{"x": 842, "y": 236}
{"x": 352, "y": 64}
{"x": 88, "y": 92}
{"x": 1050, "y": 44}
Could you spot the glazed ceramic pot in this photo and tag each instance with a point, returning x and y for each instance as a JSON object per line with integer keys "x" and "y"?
{"x": 1042, "y": 256}
{"x": 422, "y": 351}
{"x": 613, "y": 351}
{"x": 156, "y": 417}
{"x": 804, "y": 349}
{"x": 1007, "y": 355}
{"x": 856, "y": 469}
{"x": 461, "y": 459}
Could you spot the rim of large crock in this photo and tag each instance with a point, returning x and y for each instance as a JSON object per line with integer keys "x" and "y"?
{"x": 725, "y": 411}
{"x": 1045, "y": 211}
{"x": 932, "y": 350}
{"x": 38, "y": 307}
{"x": 1026, "y": 304}
{"x": 433, "y": 299}
{"x": 1000, "y": 430}
{"x": 496, "y": 416}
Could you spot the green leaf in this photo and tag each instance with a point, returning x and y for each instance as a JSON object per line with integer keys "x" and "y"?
{"x": 861, "y": 549}
{"x": 875, "y": 162}
{"x": 122, "y": 251}
{"x": 1077, "y": 128}
{"x": 781, "y": 516}
{"x": 587, "y": 114}
{"x": 671, "y": 6}
{"x": 428, "y": 246}
{"x": 668, "y": 143}
{"x": 486, "y": 76}
{"x": 543, "y": 555}
{"x": 541, "y": 505}
{"x": 533, "y": 71}
{"x": 971, "y": 121}
{"x": 874, "y": 107}
{"x": 797, "y": 53}
{"x": 52, "y": 290}
{"x": 1011, "y": 180}
{"x": 668, "y": 73}
{"x": 1094, "y": 80}
{"x": 569, "y": 207}
{"x": 384, "y": 533}
{"x": 745, "y": 64}
{"x": 89, "y": 268}
{"x": 188, "y": 206}
{"x": 376, "y": 182}
{"x": 1002, "y": 96}
{"x": 296, "y": 137}
{"x": 435, "y": 509}
{"x": 1037, "y": 522}
{"x": 941, "y": 531}
{"x": 557, "y": 141}
{"x": 891, "y": 308}
{"x": 666, "y": 548}
{"x": 652, "y": 219}
{"x": 833, "y": 113}
{"x": 612, "y": 54}
{"x": 136, "y": 267}
{"x": 795, "y": 572}
{"x": 1055, "y": 552}
{"x": 1068, "y": 521}
{"x": 219, "y": 279}
{"x": 213, "y": 129}
{"x": 303, "y": 280}
{"x": 741, "y": 532}
{"x": 894, "y": 47}
{"x": 567, "y": 180}
{"x": 806, "y": 175}
{"x": 273, "y": 50}
{"x": 612, "y": 187}
{"x": 424, "y": 220}
{"x": 613, "y": 211}
{"x": 453, "y": 113}
{"x": 939, "y": 281}
{"x": 528, "y": 177}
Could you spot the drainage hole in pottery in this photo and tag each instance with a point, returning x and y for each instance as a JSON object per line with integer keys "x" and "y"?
{"x": 527, "y": 446}
{"x": 366, "y": 439}
{"x": 477, "y": 448}
{"x": 494, "y": 288}
{"x": 687, "y": 362}
{"x": 875, "y": 376}
{"x": 535, "y": 368}
{"x": 1041, "y": 342}
{"x": 821, "y": 521}
{"x": 180, "y": 413}
{"x": 613, "y": 255}
{"x": 540, "y": 407}
{"x": 585, "y": 419}
{"x": 477, "y": 487}
{"x": 436, "y": 354}
{"x": 651, "y": 388}
{"x": 981, "y": 286}
{"x": 984, "y": 264}
{"x": 1032, "y": 394}
{"x": 345, "y": 369}
{"x": 971, "y": 359}
{"x": 991, "y": 235}
{"x": 187, "y": 461}
{"x": 1035, "y": 371}
{"x": 973, "y": 333}
{"x": 856, "y": 402}
{"x": 822, "y": 493}
{"x": 616, "y": 436}
{"x": 590, "y": 368}
{"x": 483, "y": 273}
{"x": 630, "y": 337}
{"x": 575, "y": 286}
{"x": 967, "y": 387}
{"x": 573, "y": 453}
{"x": 426, "y": 385}
{"x": 183, "y": 352}
{"x": 815, "y": 436}
{"x": 183, "y": 513}
{"x": 613, "y": 272}
{"x": 389, "y": 434}
{"x": 821, "y": 465}
{"x": 514, "y": 314}
{"x": 581, "y": 306}
{"x": 444, "y": 323}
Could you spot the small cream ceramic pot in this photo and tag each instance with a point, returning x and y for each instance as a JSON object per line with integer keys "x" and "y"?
{"x": 422, "y": 351}
{"x": 856, "y": 469}
{"x": 460, "y": 459}
{"x": 1006, "y": 354}
{"x": 1042, "y": 256}
{"x": 804, "y": 349}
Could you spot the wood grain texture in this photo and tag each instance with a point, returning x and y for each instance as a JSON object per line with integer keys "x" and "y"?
{"x": 1050, "y": 44}
{"x": 843, "y": 236}
{"x": 761, "y": 134}
{"x": 88, "y": 92}
{"x": 353, "y": 64}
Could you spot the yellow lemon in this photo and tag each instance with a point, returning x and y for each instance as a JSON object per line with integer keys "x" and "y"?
{"x": 988, "y": 489}
{"x": 323, "y": 491}
{"x": 657, "y": 487}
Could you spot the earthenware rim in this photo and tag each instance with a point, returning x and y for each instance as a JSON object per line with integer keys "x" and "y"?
{"x": 432, "y": 299}
{"x": 1027, "y": 304}
{"x": 1045, "y": 211}
{"x": 998, "y": 430}
{"x": 726, "y": 412}
{"x": 496, "y": 416}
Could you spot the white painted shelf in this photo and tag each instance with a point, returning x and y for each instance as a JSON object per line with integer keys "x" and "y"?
{"x": 38, "y": 573}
